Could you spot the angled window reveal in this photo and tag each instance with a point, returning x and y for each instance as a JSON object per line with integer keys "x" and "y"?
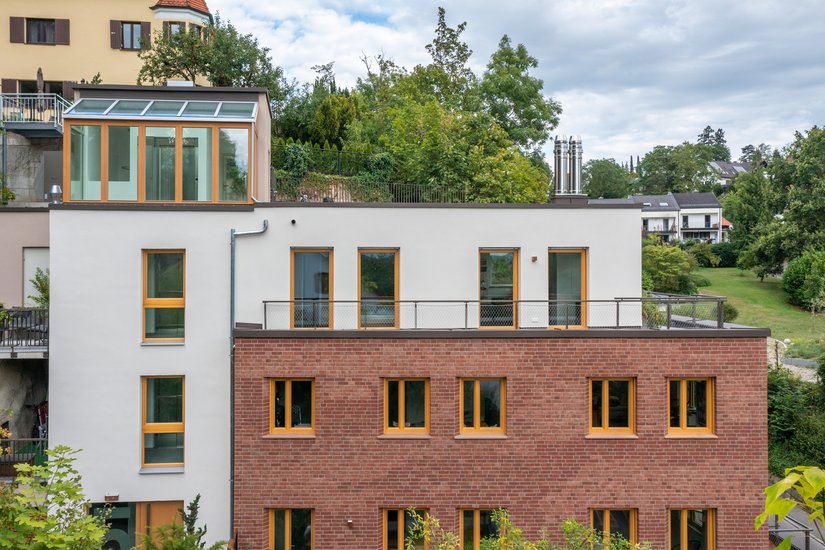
{"x": 612, "y": 406}
{"x": 292, "y": 405}
{"x": 406, "y": 405}
{"x": 690, "y": 406}
{"x": 482, "y": 405}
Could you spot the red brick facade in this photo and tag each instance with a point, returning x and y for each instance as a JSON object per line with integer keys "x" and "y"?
{"x": 544, "y": 472}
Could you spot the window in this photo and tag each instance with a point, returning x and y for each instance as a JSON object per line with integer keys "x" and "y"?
{"x": 397, "y": 527}
{"x": 160, "y": 164}
{"x": 612, "y": 406}
{"x": 567, "y": 288}
{"x": 163, "y": 421}
{"x": 690, "y": 402}
{"x": 85, "y": 154}
{"x": 130, "y": 35}
{"x": 694, "y": 529}
{"x": 684, "y": 222}
{"x": 122, "y": 165}
{"x": 707, "y": 221}
{"x": 233, "y": 164}
{"x": 196, "y": 164}
{"x": 291, "y": 529}
{"x": 171, "y": 28}
{"x": 475, "y": 525}
{"x": 406, "y": 406}
{"x": 164, "y": 274}
{"x": 498, "y": 288}
{"x": 292, "y": 405}
{"x": 378, "y": 288}
{"x": 311, "y": 288}
{"x": 40, "y": 31}
{"x": 483, "y": 404}
{"x": 614, "y": 522}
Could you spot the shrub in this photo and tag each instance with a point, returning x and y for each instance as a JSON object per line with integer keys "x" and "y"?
{"x": 786, "y": 403}
{"x": 809, "y": 438}
{"x": 800, "y": 279}
{"x": 699, "y": 280}
{"x": 296, "y": 160}
{"x": 728, "y": 254}
{"x": 730, "y": 312}
{"x": 704, "y": 256}
{"x": 669, "y": 268}
{"x": 820, "y": 370}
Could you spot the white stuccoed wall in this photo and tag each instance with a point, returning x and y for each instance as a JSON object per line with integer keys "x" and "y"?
{"x": 96, "y": 356}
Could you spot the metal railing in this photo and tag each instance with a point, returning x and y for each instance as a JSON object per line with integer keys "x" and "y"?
{"x": 44, "y": 109}
{"x": 24, "y": 328}
{"x": 21, "y": 451}
{"x": 789, "y": 528}
{"x": 325, "y": 161}
{"x": 354, "y": 190}
{"x": 653, "y": 313}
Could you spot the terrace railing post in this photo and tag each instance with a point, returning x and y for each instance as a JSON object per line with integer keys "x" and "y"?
{"x": 264, "y": 315}
{"x": 466, "y": 307}
{"x": 668, "y": 313}
{"x": 617, "y": 313}
{"x": 720, "y": 314}
{"x": 315, "y": 314}
{"x": 339, "y": 163}
{"x": 415, "y": 314}
{"x": 693, "y": 311}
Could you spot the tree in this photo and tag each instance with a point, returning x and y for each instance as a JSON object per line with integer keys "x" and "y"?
{"x": 806, "y": 481}
{"x": 451, "y": 77}
{"x": 604, "y": 178}
{"x": 669, "y": 268}
{"x": 514, "y": 98}
{"x": 184, "y": 535}
{"x": 40, "y": 282}
{"x": 753, "y": 201}
{"x": 715, "y": 141}
{"x": 755, "y": 154}
{"x": 44, "y": 508}
{"x": 184, "y": 54}
{"x": 332, "y": 118}
{"x": 680, "y": 169}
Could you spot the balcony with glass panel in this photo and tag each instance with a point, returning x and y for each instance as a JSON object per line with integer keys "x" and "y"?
{"x": 159, "y": 151}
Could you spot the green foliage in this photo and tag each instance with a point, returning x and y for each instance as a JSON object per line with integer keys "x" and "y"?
{"x": 703, "y": 255}
{"x": 680, "y": 169}
{"x": 44, "y": 508}
{"x": 604, "y": 178}
{"x": 296, "y": 160}
{"x": 786, "y": 403}
{"x": 715, "y": 140}
{"x": 755, "y": 154}
{"x": 669, "y": 267}
{"x": 41, "y": 287}
{"x": 804, "y": 280}
{"x": 820, "y": 370}
{"x": 728, "y": 254}
{"x": 7, "y": 195}
{"x": 730, "y": 312}
{"x": 806, "y": 347}
{"x": 181, "y": 536}
{"x": 332, "y": 117}
{"x": 806, "y": 481}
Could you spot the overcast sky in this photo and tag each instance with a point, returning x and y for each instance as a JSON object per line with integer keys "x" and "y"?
{"x": 630, "y": 74}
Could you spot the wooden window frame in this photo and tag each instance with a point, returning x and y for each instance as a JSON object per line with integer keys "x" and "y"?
{"x": 402, "y": 429}
{"x": 38, "y": 19}
{"x": 161, "y": 303}
{"x": 298, "y": 250}
{"x": 288, "y": 428}
{"x": 477, "y": 428}
{"x": 683, "y": 525}
{"x": 634, "y": 525}
{"x": 583, "y": 257}
{"x": 402, "y": 528}
{"x": 161, "y": 427}
{"x": 683, "y": 430}
{"x": 140, "y": 35}
{"x": 605, "y": 428}
{"x": 476, "y": 525}
{"x": 516, "y": 271}
{"x": 141, "y": 125}
{"x": 397, "y": 283}
{"x": 288, "y": 527}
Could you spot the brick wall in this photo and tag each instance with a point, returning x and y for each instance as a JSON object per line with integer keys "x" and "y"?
{"x": 544, "y": 472}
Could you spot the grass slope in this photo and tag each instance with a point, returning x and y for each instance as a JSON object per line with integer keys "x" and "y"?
{"x": 763, "y": 304}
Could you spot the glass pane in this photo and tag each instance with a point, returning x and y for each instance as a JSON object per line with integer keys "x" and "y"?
{"x": 163, "y": 448}
{"x": 596, "y": 403}
{"x": 414, "y": 404}
{"x": 469, "y": 529}
{"x": 620, "y": 523}
{"x": 469, "y": 402}
{"x": 164, "y": 275}
{"x": 123, "y": 160}
{"x": 675, "y": 530}
{"x": 92, "y": 106}
{"x": 598, "y": 526}
{"x": 392, "y": 530}
{"x": 160, "y": 164}
{"x": 197, "y": 164}
{"x": 280, "y": 404}
{"x": 697, "y": 404}
{"x": 490, "y": 404}
{"x": 311, "y": 289}
{"x": 378, "y": 290}
{"x": 84, "y": 162}
{"x": 128, "y": 107}
{"x": 487, "y": 527}
{"x": 674, "y": 403}
{"x": 497, "y": 277}
{"x": 244, "y": 110}
{"x": 697, "y": 524}
{"x": 409, "y": 523}
{"x": 279, "y": 528}
{"x": 619, "y": 403}
{"x": 165, "y": 108}
{"x": 200, "y": 108}
{"x": 164, "y": 400}
{"x": 565, "y": 289}
{"x": 164, "y": 322}
{"x": 302, "y": 404}
{"x": 301, "y": 530}
{"x": 392, "y": 403}
{"x": 233, "y": 164}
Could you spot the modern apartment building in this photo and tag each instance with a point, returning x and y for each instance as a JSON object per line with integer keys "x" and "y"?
{"x": 682, "y": 216}
{"x": 313, "y": 369}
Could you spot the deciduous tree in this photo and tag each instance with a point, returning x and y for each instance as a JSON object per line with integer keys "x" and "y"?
{"x": 606, "y": 179}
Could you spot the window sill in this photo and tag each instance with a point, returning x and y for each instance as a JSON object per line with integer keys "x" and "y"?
{"x": 149, "y": 470}
{"x": 482, "y": 435}
{"x": 691, "y": 436}
{"x": 419, "y": 436}
{"x": 150, "y": 344}
{"x": 289, "y": 435}
{"x": 617, "y": 435}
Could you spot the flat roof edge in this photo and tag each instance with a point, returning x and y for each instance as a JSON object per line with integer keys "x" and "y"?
{"x": 474, "y": 334}
{"x": 522, "y": 206}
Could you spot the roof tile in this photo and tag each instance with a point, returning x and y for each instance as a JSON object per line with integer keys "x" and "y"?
{"x": 197, "y": 5}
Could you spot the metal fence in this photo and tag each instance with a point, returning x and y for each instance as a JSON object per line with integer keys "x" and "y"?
{"x": 24, "y": 328}
{"x": 654, "y": 313}
{"x": 352, "y": 190}
{"x": 21, "y": 451}
{"x": 38, "y": 108}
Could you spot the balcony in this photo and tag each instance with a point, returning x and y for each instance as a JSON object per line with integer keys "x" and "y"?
{"x": 24, "y": 333}
{"x": 33, "y": 115}
{"x": 650, "y": 313}
{"x": 20, "y": 451}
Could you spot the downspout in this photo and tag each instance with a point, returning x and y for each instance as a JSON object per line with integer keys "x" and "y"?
{"x": 232, "y": 236}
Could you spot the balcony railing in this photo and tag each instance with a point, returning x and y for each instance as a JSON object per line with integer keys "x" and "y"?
{"x": 24, "y": 329}
{"x": 654, "y": 313}
{"x": 43, "y": 109}
{"x": 21, "y": 451}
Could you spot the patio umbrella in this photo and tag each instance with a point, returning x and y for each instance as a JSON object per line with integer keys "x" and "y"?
{"x": 41, "y": 85}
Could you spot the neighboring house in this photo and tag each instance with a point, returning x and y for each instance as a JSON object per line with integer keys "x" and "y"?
{"x": 313, "y": 369}
{"x": 681, "y": 216}
{"x": 726, "y": 172}
{"x": 660, "y": 215}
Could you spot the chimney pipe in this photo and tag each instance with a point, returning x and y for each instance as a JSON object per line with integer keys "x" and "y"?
{"x": 561, "y": 165}
{"x": 575, "y": 178}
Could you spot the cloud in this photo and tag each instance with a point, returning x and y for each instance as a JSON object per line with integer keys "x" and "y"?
{"x": 630, "y": 74}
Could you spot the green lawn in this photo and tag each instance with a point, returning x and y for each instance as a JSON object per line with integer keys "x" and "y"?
{"x": 762, "y": 304}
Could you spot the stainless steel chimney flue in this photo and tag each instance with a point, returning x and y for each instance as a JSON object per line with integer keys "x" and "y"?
{"x": 575, "y": 180}
{"x": 561, "y": 165}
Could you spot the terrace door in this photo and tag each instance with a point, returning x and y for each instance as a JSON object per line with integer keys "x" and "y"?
{"x": 566, "y": 288}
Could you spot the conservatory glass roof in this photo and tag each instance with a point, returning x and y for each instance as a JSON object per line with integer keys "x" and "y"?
{"x": 162, "y": 109}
